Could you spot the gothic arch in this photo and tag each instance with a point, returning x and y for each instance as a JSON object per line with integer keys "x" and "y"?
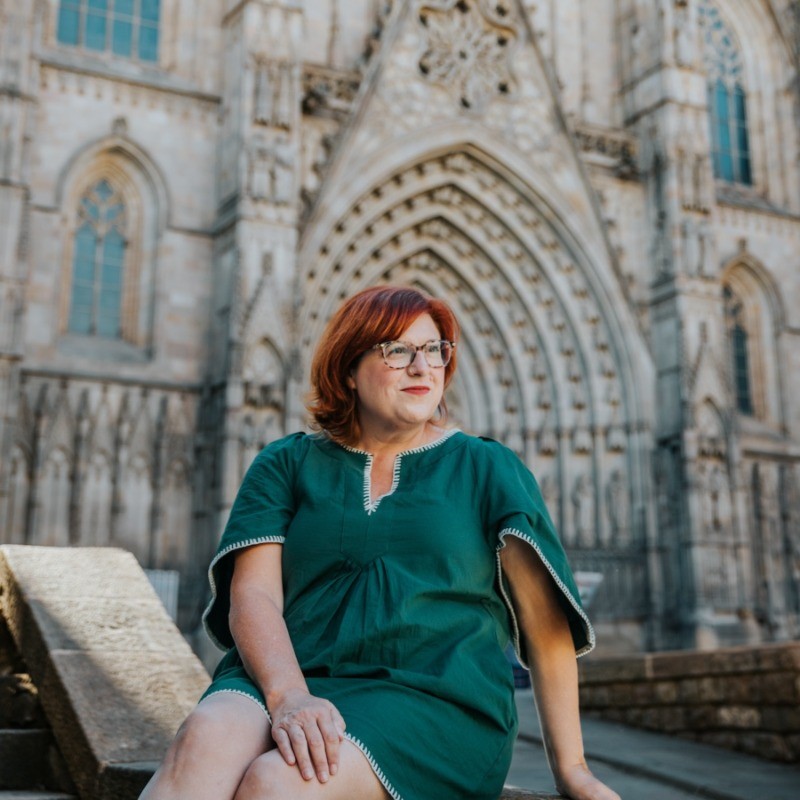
{"x": 763, "y": 319}
{"x": 143, "y": 190}
{"x": 571, "y": 220}
{"x": 549, "y": 349}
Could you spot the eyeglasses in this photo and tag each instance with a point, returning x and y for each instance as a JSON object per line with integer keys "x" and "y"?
{"x": 399, "y": 355}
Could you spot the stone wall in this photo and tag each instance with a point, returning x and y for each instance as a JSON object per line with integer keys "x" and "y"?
{"x": 743, "y": 698}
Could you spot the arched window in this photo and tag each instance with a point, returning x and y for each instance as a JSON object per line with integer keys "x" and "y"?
{"x": 737, "y": 338}
{"x": 98, "y": 264}
{"x": 124, "y": 27}
{"x": 727, "y": 102}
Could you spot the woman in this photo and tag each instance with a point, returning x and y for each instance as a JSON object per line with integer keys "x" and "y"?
{"x": 366, "y": 584}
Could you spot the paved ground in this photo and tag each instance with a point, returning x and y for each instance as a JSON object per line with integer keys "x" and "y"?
{"x": 647, "y": 766}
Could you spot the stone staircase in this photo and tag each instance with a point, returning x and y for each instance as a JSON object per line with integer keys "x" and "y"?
{"x": 31, "y": 765}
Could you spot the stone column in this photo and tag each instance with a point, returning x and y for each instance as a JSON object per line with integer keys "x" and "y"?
{"x": 258, "y": 221}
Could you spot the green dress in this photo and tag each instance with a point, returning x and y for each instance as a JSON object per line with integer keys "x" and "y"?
{"x": 397, "y": 607}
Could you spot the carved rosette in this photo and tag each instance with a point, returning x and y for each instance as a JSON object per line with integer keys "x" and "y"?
{"x": 468, "y": 50}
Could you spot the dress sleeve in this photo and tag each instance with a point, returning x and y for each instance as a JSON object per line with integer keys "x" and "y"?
{"x": 515, "y": 508}
{"x": 261, "y": 513}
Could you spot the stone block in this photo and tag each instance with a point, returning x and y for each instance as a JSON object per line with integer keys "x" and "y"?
{"x": 779, "y": 687}
{"x": 115, "y": 676}
{"x": 793, "y": 743}
{"x": 632, "y": 716}
{"x": 89, "y": 572}
{"x": 612, "y": 670}
{"x": 783, "y": 719}
{"x": 665, "y": 692}
{"x": 777, "y": 657}
{"x": 22, "y": 757}
{"x": 124, "y": 780}
{"x": 741, "y": 689}
{"x": 601, "y": 697}
{"x": 738, "y": 717}
{"x": 719, "y": 662}
{"x": 701, "y": 717}
{"x": 669, "y": 719}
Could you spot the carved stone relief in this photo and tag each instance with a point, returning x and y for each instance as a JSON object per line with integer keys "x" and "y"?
{"x": 92, "y": 459}
{"x": 271, "y": 172}
{"x": 273, "y": 94}
{"x": 685, "y": 34}
{"x": 467, "y": 51}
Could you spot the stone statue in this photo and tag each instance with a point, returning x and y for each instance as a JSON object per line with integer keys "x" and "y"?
{"x": 583, "y": 511}
{"x": 618, "y": 501}
{"x": 264, "y": 100}
{"x": 684, "y": 34}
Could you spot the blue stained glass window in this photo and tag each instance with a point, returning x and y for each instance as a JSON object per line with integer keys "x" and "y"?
{"x": 742, "y": 142}
{"x": 128, "y": 28}
{"x": 726, "y": 97}
{"x": 98, "y": 264}
{"x": 148, "y": 43}
{"x": 96, "y": 31}
{"x": 741, "y": 370}
{"x": 150, "y": 10}
{"x": 68, "y": 22}
{"x": 739, "y": 347}
{"x": 122, "y": 38}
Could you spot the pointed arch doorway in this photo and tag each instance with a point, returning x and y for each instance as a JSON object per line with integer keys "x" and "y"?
{"x": 545, "y": 363}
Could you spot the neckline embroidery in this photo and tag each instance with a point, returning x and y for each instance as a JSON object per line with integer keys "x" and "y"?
{"x": 370, "y": 505}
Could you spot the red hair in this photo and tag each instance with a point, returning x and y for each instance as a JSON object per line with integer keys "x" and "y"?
{"x": 377, "y": 314}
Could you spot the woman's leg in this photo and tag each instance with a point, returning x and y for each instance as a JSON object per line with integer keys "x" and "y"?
{"x": 269, "y": 777}
{"x": 212, "y": 750}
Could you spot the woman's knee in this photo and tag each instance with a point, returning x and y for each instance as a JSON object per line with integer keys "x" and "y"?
{"x": 266, "y": 779}
{"x": 221, "y": 731}
{"x": 269, "y": 777}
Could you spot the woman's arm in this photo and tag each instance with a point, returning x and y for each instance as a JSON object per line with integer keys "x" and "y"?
{"x": 307, "y": 730}
{"x": 554, "y": 670}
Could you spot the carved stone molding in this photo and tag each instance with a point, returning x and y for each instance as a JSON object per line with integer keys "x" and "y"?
{"x": 328, "y": 92}
{"x": 613, "y": 148}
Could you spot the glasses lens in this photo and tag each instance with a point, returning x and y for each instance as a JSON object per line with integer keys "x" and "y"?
{"x": 397, "y": 355}
{"x": 437, "y": 354}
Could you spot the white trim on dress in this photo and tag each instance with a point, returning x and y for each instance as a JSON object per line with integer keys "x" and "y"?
{"x": 371, "y": 506}
{"x": 561, "y": 585}
{"x": 275, "y": 539}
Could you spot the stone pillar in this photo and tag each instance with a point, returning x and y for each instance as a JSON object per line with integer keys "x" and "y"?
{"x": 258, "y": 217}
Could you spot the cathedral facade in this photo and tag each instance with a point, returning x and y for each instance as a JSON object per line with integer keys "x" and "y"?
{"x": 607, "y": 192}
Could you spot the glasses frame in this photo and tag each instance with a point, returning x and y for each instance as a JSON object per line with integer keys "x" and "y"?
{"x": 416, "y": 348}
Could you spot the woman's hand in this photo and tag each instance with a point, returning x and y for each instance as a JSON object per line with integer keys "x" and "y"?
{"x": 307, "y": 731}
{"x": 578, "y": 783}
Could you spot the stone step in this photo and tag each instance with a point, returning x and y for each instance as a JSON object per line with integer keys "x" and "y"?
{"x": 29, "y": 759}
{"x": 23, "y": 757}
